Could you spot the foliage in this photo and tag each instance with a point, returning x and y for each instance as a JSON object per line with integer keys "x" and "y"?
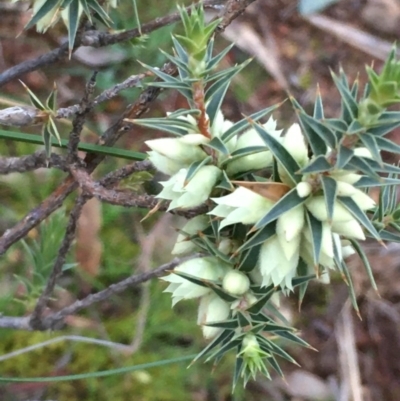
{"x": 268, "y": 212}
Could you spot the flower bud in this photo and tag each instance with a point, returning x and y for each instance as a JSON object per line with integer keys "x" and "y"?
{"x": 363, "y": 152}
{"x": 164, "y": 164}
{"x": 303, "y": 189}
{"x": 345, "y": 176}
{"x": 294, "y": 143}
{"x": 208, "y": 268}
{"x": 317, "y": 207}
{"x": 227, "y": 246}
{"x": 247, "y": 207}
{"x": 274, "y": 267}
{"x": 349, "y": 229}
{"x": 364, "y": 201}
{"x": 183, "y": 244}
{"x": 199, "y": 187}
{"x": 175, "y": 149}
{"x": 212, "y": 309}
{"x": 345, "y": 189}
{"x": 236, "y": 282}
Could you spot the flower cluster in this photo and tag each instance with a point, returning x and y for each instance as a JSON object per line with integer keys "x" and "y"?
{"x": 283, "y": 206}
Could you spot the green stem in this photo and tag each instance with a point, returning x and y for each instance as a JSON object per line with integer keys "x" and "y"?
{"x": 98, "y": 374}
{"x": 86, "y": 147}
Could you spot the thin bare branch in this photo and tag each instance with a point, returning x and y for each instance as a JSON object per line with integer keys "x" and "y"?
{"x": 70, "y": 231}
{"x": 124, "y": 172}
{"x": 109, "y": 137}
{"x": 31, "y": 162}
{"x": 85, "y": 106}
{"x": 108, "y": 94}
{"x": 90, "y": 38}
{"x": 127, "y": 198}
{"x": 54, "y": 320}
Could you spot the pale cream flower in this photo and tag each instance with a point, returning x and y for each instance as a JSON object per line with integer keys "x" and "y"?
{"x": 212, "y": 309}
{"x": 208, "y": 268}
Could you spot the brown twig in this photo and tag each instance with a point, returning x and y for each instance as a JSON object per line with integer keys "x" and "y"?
{"x": 85, "y": 106}
{"x": 94, "y": 39}
{"x": 55, "y": 320}
{"x": 36, "y": 317}
{"x": 31, "y": 162}
{"x": 126, "y": 198}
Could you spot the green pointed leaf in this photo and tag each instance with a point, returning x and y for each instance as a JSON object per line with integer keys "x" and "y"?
{"x": 33, "y": 98}
{"x": 317, "y": 165}
{"x": 175, "y": 126}
{"x": 352, "y": 291}
{"x": 344, "y": 156}
{"x": 336, "y": 124}
{"x": 213, "y": 250}
{"x": 329, "y": 186}
{"x": 249, "y": 259}
{"x": 223, "y": 77}
{"x": 389, "y": 236}
{"x": 287, "y": 161}
{"x": 318, "y": 107}
{"x": 387, "y": 145}
{"x": 384, "y": 167}
{"x": 53, "y": 130}
{"x": 371, "y": 144}
{"x": 86, "y": 147}
{"x": 366, "y": 182}
{"x": 226, "y": 335}
{"x": 321, "y": 129}
{"x": 227, "y": 324}
{"x": 365, "y": 262}
{"x": 214, "y": 104}
{"x": 243, "y": 320}
{"x": 193, "y": 279}
{"x": 177, "y": 61}
{"x": 100, "y": 13}
{"x": 218, "y": 145}
{"x": 384, "y": 202}
{"x": 86, "y": 10}
{"x": 259, "y": 237}
{"x": 359, "y": 163}
{"x": 315, "y": 227}
{"x": 302, "y": 270}
{"x": 245, "y": 122}
{"x": 213, "y": 62}
{"x": 358, "y": 214}
{"x": 292, "y": 337}
{"x": 221, "y": 293}
{"x": 225, "y": 183}
{"x": 237, "y": 154}
{"x": 301, "y": 280}
{"x": 384, "y": 128}
{"x": 355, "y": 128}
{"x": 274, "y": 364}
{"x": 224, "y": 349}
{"x": 47, "y": 139}
{"x": 259, "y": 305}
{"x": 52, "y": 99}
{"x": 47, "y": 6}
{"x": 274, "y": 327}
{"x": 286, "y": 203}
{"x": 349, "y": 103}
{"x": 270, "y": 346}
{"x": 317, "y": 145}
{"x": 73, "y": 22}
{"x": 174, "y": 82}
{"x": 239, "y": 365}
{"x": 195, "y": 167}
